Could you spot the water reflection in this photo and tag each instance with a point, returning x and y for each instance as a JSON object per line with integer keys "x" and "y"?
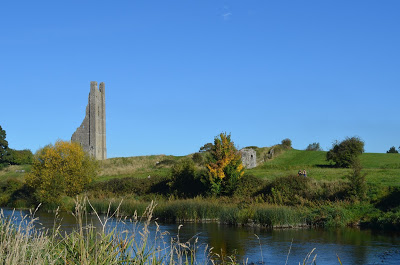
{"x": 353, "y": 246}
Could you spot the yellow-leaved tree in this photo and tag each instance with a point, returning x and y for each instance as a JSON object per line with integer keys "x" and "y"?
{"x": 225, "y": 166}
{"x": 60, "y": 169}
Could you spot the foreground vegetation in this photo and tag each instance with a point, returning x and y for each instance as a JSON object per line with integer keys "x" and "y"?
{"x": 21, "y": 242}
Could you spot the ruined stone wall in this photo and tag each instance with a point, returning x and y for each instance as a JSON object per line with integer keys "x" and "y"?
{"x": 249, "y": 158}
{"x": 92, "y": 132}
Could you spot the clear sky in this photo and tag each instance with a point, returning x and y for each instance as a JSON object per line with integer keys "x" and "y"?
{"x": 178, "y": 73}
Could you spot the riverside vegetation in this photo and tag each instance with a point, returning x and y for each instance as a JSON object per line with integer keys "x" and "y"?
{"x": 269, "y": 195}
{"x": 22, "y": 242}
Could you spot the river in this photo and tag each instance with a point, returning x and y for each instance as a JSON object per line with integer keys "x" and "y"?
{"x": 262, "y": 246}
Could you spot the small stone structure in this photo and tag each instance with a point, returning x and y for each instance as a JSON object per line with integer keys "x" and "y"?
{"x": 249, "y": 157}
{"x": 92, "y": 132}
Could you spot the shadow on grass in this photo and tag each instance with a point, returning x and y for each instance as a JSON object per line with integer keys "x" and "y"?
{"x": 390, "y": 201}
{"x": 326, "y": 166}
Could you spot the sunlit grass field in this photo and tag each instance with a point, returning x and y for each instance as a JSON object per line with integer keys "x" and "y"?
{"x": 380, "y": 168}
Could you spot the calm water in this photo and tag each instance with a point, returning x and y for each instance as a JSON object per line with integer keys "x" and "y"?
{"x": 353, "y": 246}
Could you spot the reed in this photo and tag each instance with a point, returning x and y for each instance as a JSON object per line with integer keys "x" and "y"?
{"x": 108, "y": 243}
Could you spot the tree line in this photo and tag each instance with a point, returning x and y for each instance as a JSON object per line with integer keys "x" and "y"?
{"x": 9, "y": 156}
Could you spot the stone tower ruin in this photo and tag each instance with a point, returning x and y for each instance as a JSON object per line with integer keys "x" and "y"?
{"x": 92, "y": 132}
{"x": 249, "y": 157}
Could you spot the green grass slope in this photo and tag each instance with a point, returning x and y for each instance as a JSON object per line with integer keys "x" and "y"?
{"x": 380, "y": 168}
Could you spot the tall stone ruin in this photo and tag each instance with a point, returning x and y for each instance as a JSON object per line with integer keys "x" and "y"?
{"x": 92, "y": 132}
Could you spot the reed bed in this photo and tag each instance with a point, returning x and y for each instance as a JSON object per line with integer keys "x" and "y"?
{"x": 22, "y": 242}
{"x": 200, "y": 210}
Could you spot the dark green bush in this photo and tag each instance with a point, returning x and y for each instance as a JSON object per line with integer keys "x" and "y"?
{"x": 185, "y": 181}
{"x": 333, "y": 191}
{"x": 291, "y": 190}
{"x": 389, "y": 220}
{"x": 357, "y": 185}
{"x": 391, "y": 200}
{"x": 198, "y": 158}
{"x": 13, "y": 192}
{"x": 131, "y": 185}
{"x": 249, "y": 186}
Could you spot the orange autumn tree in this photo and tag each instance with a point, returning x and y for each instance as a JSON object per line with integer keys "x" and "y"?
{"x": 225, "y": 165}
{"x": 60, "y": 169}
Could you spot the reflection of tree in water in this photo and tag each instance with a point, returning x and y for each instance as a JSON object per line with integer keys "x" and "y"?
{"x": 228, "y": 240}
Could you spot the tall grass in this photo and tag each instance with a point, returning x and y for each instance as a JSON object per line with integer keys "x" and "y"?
{"x": 22, "y": 243}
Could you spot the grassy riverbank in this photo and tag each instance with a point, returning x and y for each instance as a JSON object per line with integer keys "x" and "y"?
{"x": 22, "y": 242}
{"x": 269, "y": 195}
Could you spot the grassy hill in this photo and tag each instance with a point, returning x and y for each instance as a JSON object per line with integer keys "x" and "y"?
{"x": 380, "y": 168}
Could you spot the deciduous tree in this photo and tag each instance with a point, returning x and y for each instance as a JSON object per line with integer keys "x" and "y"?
{"x": 314, "y": 147}
{"x": 286, "y": 143}
{"x": 225, "y": 165}
{"x": 62, "y": 168}
{"x": 344, "y": 153}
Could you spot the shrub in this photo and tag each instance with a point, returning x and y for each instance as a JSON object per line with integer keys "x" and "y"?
{"x": 131, "y": 185}
{"x": 63, "y": 168}
{"x": 291, "y": 190}
{"x": 184, "y": 180}
{"x": 198, "y": 158}
{"x": 248, "y": 186}
{"x": 391, "y": 200}
{"x": 358, "y": 186}
{"x": 344, "y": 153}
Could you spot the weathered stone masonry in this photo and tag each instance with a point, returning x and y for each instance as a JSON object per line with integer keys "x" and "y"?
{"x": 249, "y": 158}
{"x": 92, "y": 132}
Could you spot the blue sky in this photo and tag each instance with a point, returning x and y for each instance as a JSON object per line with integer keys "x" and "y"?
{"x": 178, "y": 73}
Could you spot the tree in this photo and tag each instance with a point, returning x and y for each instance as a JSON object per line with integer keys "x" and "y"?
{"x": 3, "y": 147}
{"x": 344, "y": 153}
{"x": 20, "y": 157}
{"x": 286, "y": 143}
{"x": 314, "y": 147}
{"x": 225, "y": 165}
{"x": 63, "y": 168}
{"x": 392, "y": 150}
{"x": 206, "y": 148}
